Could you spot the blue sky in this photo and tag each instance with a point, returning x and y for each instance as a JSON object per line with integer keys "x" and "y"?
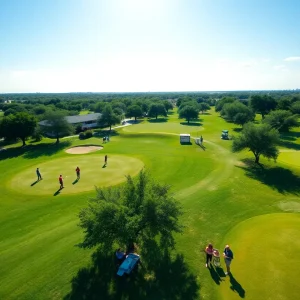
{"x": 148, "y": 45}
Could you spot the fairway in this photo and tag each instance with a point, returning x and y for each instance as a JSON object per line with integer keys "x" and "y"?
{"x": 267, "y": 262}
{"x": 291, "y": 158}
{"x": 93, "y": 173}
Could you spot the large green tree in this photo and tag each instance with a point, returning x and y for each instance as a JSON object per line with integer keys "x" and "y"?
{"x": 56, "y": 125}
{"x": 259, "y": 139}
{"x": 282, "y": 120}
{"x": 140, "y": 210}
{"x": 237, "y": 113}
{"x": 108, "y": 117}
{"x": 134, "y": 111}
{"x": 188, "y": 112}
{"x": 157, "y": 109}
{"x": 203, "y": 106}
{"x": 262, "y": 104}
{"x": 20, "y": 125}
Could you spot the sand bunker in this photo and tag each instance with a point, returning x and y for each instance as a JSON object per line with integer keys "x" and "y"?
{"x": 83, "y": 149}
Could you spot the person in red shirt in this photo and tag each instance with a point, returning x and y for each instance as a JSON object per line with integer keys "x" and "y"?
{"x": 60, "y": 179}
{"x": 209, "y": 253}
{"x": 78, "y": 172}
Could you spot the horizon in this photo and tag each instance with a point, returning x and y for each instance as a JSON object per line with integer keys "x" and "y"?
{"x": 150, "y": 46}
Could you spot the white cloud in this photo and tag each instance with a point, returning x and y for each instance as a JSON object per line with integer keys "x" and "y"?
{"x": 279, "y": 67}
{"x": 292, "y": 58}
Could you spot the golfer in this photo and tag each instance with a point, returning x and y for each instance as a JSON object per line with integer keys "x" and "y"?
{"x": 201, "y": 140}
{"x": 78, "y": 172}
{"x": 38, "y": 173}
{"x": 209, "y": 253}
{"x": 228, "y": 257}
{"x": 105, "y": 160}
{"x": 61, "y": 182}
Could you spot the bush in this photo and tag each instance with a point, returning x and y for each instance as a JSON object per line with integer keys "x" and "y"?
{"x": 88, "y": 134}
{"x": 78, "y": 128}
{"x": 85, "y": 135}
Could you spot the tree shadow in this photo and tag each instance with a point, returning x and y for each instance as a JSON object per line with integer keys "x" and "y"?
{"x": 34, "y": 151}
{"x": 34, "y": 183}
{"x": 288, "y": 144}
{"x": 158, "y": 120}
{"x": 100, "y": 133}
{"x": 236, "y": 286}
{"x": 278, "y": 178}
{"x": 237, "y": 129}
{"x": 161, "y": 276}
{"x": 191, "y": 123}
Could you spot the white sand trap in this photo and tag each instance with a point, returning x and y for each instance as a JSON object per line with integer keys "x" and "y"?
{"x": 83, "y": 149}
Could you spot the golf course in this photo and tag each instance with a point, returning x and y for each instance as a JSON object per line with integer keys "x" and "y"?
{"x": 226, "y": 199}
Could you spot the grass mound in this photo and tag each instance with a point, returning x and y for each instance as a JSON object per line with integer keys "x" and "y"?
{"x": 93, "y": 173}
{"x": 266, "y": 264}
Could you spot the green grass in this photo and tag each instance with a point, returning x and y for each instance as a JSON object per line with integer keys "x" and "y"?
{"x": 273, "y": 258}
{"x": 219, "y": 191}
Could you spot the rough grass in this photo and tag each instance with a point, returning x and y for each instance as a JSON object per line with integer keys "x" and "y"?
{"x": 218, "y": 190}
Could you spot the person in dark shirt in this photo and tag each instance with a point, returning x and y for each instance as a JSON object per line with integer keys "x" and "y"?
{"x": 228, "y": 257}
{"x": 61, "y": 182}
{"x": 78, "y": 172}
{"x": 38, "y": 173}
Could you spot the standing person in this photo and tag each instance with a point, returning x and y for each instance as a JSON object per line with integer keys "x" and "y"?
{"x": 78, "y": 172}
{"x": 228, "y": 257}
{"x": 61, "y": 182}
{"x": 201, "y": 140}
{"x": 38, "y": 173}
{"x": 209, "y": 253}
{"x": 105, "y": 160}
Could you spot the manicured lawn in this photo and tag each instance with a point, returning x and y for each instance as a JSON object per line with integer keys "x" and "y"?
{"x": 219, "y": 191}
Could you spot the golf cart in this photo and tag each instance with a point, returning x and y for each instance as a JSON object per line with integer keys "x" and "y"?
{"x": 225, "y": 135}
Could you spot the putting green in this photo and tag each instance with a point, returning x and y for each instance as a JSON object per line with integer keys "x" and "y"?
{"x": 267, "y": 261}
{"x": 93, "y": 173}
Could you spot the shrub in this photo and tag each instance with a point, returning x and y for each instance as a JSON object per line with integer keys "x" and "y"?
{"x": 81, "y": 136}
{"x": 88, "y": 134}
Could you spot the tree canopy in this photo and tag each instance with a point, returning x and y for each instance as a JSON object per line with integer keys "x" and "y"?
{"x": 262, "y": 104}
{"x": 19, "y": 125}
{"x": 134, "y": 111}
{"x": 237, "y": 113}
{"x": 56, "y": 125}
{"x": 157, "y": 109}
{"x": 282, "y": 120}
{"x": 108, "y": 117}
{"x": 203, "y": 106}
{"x": 259, "y": 139}
{"x": 140, "y": 210}
{"x": 188, "y": 112}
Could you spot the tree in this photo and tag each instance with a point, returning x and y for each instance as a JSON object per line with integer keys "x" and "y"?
{"x": 237, "y": 113}
{"x": 157, "y": 109}
{"x": 20, "y": 125}
{"x": 203, "y": 106}
{"x": 139, "y": 210}
{"x": 222, "y": 102}
{"x": 55, "y": 124}
{"x": 134, "y": 111}
{"x": 168, "y": 105}
{"x": 259, "y": 139}
{"x": 108, "y": 117}
{"x": 262, "y": 104}
{"x": 188, "y": 112}
{"x": 282, "y": 120}
{"x": 295, "y": 108}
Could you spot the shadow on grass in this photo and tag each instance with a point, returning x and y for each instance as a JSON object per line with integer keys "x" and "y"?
{"x": 191, "y": 123}
{"x": 216, "y": 274}
{"x": 57, "y": 192}
{"x": 278, "y": 178}
{"x": 100, "y": 133}
{"x": 160, "y": 276}
{"x": 186, "y": 144}
{"x": 34, "y": 183}
{"x": 237, "y": 129}
{"x": 158, "y": 120}
{"x": 288, "y": 144}
{"x": 34, "y": 151}
{"x": 236, "y": 286}
{"x": 75, "y": 181}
